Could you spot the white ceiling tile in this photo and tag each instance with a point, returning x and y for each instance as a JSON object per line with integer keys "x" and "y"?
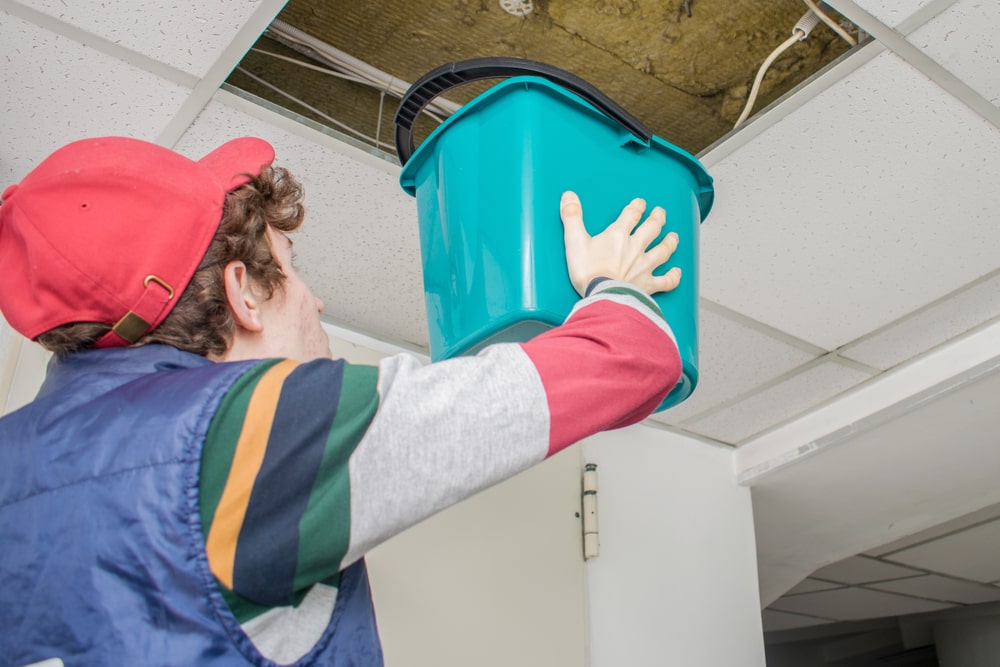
{"x": 368, "y": 274}
{"x": 964, "y": 39}
{"x": 845, "y": 232}
{"x": 774, "y": 620}
{"x": 66, "y": 91}
{"x": 855, "y": 604}
{"x": 733, "y": 358}
{"x": 943, "y": 589}
{"x": 929, "y": 328}
{"x": 861, "y": 570}
{"x": 891, "y": 12}
{"x": 972, "y": 554}
{"x": 953, "y": 526}
{"x": 778, "y": 403}
{"x": 187, "y": 34}
{"x": 808, "y": 585}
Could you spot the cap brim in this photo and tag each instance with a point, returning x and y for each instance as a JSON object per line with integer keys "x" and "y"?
{"x": 235, "y": 161}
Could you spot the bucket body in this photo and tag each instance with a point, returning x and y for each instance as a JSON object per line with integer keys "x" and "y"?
{"x": 488, "y": 182}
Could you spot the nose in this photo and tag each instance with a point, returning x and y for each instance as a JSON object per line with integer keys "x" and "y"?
{"x": 319, "y": 304}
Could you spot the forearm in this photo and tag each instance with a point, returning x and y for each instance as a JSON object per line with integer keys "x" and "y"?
{"x": 610, "y": 365}
{"x": 448, "y": 430}
{"x": 391, "y": 449}
{"x": 442, "y": 433}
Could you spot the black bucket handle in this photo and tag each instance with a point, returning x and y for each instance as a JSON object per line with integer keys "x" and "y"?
{"x": 425, "y": 89}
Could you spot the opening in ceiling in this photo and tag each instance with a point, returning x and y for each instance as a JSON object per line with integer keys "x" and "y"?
{"x": 685, "y": 68}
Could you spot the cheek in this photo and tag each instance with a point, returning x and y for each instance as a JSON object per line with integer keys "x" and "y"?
{"x": 303, "y": 300}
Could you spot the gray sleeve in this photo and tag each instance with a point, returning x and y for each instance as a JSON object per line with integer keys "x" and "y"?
{"x": 443, "y": 432}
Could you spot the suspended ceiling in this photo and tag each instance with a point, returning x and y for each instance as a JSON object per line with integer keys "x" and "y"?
{"x": 849, "y": 266}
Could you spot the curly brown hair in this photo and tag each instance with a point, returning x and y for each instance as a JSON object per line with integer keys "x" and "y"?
{"x": 201, "y": 322}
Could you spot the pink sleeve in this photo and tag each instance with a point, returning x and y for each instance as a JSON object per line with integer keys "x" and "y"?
{"x": 608, "y": 366}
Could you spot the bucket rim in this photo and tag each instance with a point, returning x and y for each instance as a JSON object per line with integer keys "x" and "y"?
{"x": 407, "y": 176}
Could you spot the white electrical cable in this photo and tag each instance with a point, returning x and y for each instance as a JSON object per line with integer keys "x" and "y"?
{"x": 805, "y": 25}
{"x": 378, "y": 127}
{"x": 825, "y": 18}
{"x": 334, "y": 73}
{"x": 760, "y": 76}
{"x": 381, "y": 84}
{"x": 315, "y": 68}
{"x": 325, "y": 116}
{"x": 337, "y": 58}
{"x": 329, "y": 53}
{"x": 800, "y": 31}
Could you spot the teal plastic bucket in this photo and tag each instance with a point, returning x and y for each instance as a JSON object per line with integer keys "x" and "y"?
{"x": 488, "y": 181}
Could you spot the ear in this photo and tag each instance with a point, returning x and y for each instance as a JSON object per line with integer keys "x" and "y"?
{"x": 244, "y": 303}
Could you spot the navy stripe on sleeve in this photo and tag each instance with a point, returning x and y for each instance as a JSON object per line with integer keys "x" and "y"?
{"x": 268, "y": 547}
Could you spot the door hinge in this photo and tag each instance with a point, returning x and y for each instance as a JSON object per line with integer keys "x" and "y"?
{"x": 591, "y": 543}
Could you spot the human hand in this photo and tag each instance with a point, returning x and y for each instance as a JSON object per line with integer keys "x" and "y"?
{"x": 618, "y": 252}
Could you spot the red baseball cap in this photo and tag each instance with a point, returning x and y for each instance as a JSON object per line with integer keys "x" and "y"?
{"x": 111, "y": 230}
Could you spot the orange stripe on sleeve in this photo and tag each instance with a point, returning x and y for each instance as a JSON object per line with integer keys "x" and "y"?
{"x": 228, "y": 521}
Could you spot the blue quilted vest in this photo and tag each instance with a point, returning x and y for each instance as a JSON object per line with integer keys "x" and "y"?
{"x": 102, "y": 557}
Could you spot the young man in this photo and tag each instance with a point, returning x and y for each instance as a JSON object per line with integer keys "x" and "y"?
{"x": 197, "y": 481}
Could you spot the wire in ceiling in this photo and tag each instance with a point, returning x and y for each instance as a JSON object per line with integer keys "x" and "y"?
{"x": 343, "y": 66}
{"x": 325, "y": 116}
{"x": 800, "y": 31}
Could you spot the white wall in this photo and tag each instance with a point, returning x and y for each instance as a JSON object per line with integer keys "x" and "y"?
{"x": 494, "y": 581}
{"x": 22, "y": 368}
{"x": 676, "y": 579}
{"x": 499, "y": 579}
{"x": 10, "y": 346}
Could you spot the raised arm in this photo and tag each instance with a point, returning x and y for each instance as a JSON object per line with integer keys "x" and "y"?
{"x": 395, "y": 446}
{"x": 445, "y": 431}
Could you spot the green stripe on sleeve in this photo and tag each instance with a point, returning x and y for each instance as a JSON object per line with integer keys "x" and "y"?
{"x": 324, "y": 528}
{"x": 220, "y": 441}
{"x": 217, "y": 459}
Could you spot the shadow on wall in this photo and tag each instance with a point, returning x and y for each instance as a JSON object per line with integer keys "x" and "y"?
{"x": 960, "y": 637}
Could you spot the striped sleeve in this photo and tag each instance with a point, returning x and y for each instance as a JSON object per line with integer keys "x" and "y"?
{"x": 448, "y": 430}
{"x": 313, "y": 465}
{"x": 275, "y": 488}
{"x": 609, "y": 365}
